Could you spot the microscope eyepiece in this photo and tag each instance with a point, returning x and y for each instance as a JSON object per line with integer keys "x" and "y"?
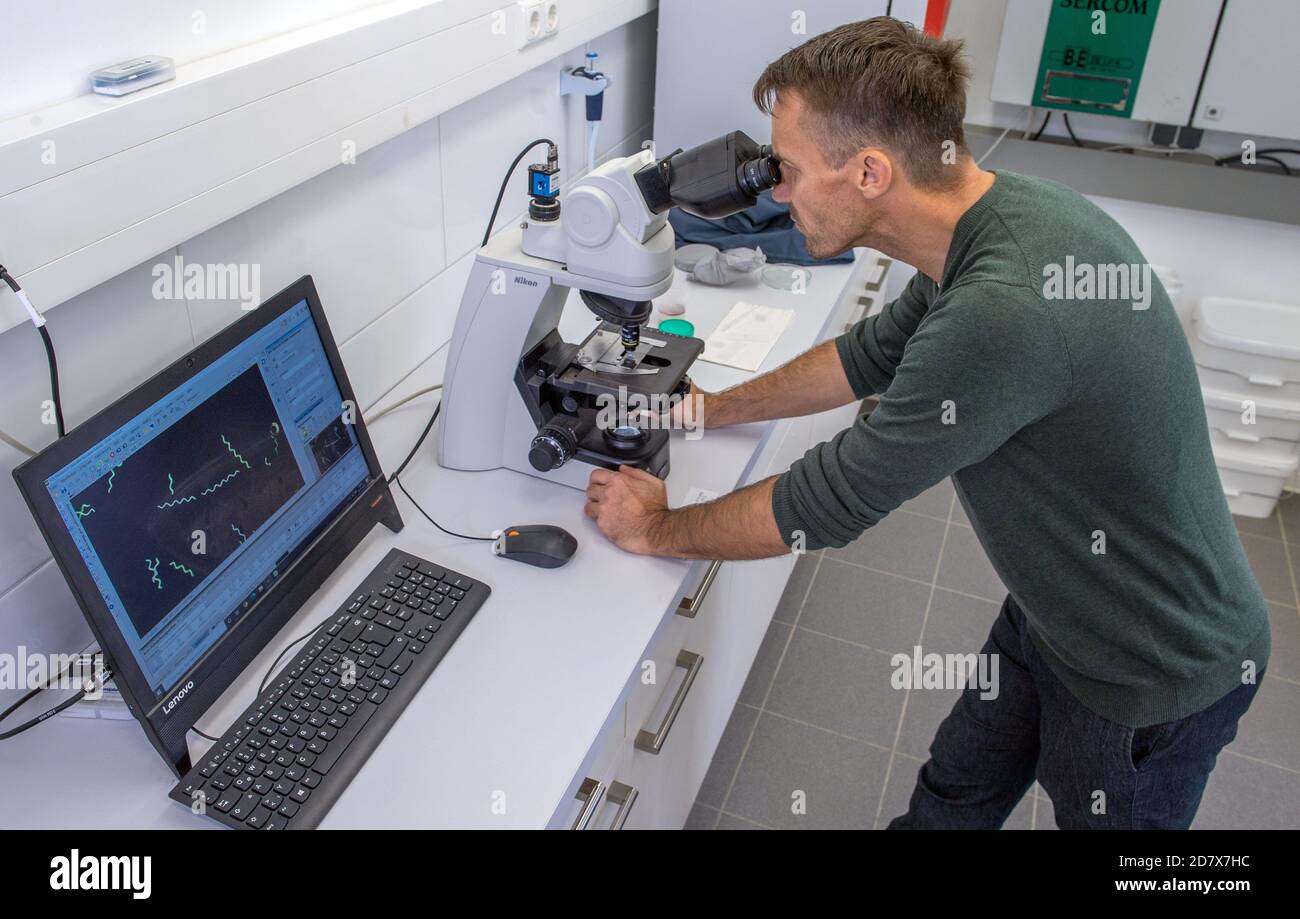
{"x": 761, "y": 173}
{"x": 715, "y": 179}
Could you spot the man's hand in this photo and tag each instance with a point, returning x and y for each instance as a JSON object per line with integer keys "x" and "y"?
{"x": 629, "y": 507}
{"x": 685, "y": 414}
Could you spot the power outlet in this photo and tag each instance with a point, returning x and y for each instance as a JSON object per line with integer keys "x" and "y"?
{"x": 536, "y": 20}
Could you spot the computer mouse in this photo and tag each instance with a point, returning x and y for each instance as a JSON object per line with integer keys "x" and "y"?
{"x": 538, "y": 544}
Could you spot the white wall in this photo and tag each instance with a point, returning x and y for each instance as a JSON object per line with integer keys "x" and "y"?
{"x": 50, "y": 48}
{"x": 389, "y": 242}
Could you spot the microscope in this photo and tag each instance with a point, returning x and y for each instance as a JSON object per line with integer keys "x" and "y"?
{"x": 516, "y": 394}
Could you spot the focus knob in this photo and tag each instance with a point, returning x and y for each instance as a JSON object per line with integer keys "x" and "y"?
{"x": 553, "y": 446}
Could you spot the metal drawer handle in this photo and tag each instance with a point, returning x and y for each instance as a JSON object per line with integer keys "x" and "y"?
{"x": 690, "y": 606}
{"x": 653, "y": 743}
{"x": 589, "y": 793}
{"x": 624, "y": 796}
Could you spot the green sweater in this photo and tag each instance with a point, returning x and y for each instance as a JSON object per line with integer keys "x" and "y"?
{"x": 1076, "y": 438}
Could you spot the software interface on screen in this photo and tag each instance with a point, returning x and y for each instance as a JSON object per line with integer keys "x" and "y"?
{"x": 188, "y": 513}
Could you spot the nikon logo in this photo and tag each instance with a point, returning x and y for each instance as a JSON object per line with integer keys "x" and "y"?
{"x": 176, "y": 699}
{"x": 520, "y": 279}
{"x": 1136, "y": 7}
{"x": 103, "y": 872}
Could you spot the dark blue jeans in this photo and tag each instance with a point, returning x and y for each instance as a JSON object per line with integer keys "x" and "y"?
{"x": 1099, "y": 774}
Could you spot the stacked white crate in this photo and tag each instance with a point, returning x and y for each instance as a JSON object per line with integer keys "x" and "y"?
{"x": 1248, "y": 360}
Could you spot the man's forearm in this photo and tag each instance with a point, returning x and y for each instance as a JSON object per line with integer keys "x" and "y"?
{"x": 812, "y": 382}
{"x": 739, "y": 525}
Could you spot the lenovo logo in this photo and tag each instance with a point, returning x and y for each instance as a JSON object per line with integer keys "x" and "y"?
{"x": 176, "y": 699}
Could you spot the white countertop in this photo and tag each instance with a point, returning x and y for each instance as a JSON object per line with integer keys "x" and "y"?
{"x": 517, "y": 702}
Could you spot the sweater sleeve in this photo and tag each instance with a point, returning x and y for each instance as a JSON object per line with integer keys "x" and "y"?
{"x": 872, "y": 347}
{"x": 986, "y": 363}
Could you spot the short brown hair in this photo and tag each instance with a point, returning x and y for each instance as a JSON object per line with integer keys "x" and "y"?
{"x": 878, "y": 81}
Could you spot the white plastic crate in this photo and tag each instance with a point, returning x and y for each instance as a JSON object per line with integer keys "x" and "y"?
{"x": 1248, "y": 347}
{"x": 1281, "y": 450}
{"x": 1274, "y": 418}
{"x": 1228, "y": 381}
{"x": 1250, "y": 475}
{"x": 1250, "y": 505}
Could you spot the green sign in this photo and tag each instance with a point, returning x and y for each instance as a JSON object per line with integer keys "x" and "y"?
{"x": 1093, "y": 55}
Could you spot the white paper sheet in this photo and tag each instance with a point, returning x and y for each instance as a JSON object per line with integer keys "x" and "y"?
{"x": 746, "y": 335}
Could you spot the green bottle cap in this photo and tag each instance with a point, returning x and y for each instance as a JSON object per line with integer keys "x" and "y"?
{"x": 677, "y": 327}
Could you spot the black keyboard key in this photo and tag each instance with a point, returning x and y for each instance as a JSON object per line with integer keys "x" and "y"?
{"x": 345, "y": 736}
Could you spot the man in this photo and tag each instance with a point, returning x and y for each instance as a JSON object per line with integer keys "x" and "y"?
{"x": 1134, "y": 634}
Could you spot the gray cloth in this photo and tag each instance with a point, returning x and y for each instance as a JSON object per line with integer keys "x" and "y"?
{"x": 767, "y": 225}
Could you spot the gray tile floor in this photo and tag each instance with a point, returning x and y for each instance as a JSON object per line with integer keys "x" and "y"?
{"x": 817, "y": 714}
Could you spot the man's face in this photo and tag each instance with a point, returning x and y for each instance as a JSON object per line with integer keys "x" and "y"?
{"x": 826, "y": 204}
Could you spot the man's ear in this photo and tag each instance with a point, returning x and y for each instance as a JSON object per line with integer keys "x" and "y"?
{"x": 874, "y": 172}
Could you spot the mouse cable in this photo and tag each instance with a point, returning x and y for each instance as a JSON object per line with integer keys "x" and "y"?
{"x": 39, "y": 321}
{"x": 394, "y": 480}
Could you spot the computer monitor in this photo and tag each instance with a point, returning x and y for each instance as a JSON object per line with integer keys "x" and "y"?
{"x": 194, "y": 516}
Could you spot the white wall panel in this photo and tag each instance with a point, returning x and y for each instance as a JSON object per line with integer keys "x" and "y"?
{"x": 369, "y": 233}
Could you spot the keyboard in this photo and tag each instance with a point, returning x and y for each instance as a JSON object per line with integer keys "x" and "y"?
{"x": 286, "y": 760}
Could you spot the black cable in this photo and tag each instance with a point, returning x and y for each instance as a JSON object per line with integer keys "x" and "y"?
{"x": 1065, "y": 116}
{"x": 50, "y": 359}
{"x": 506, "y": 181}
{"x": 1259, "y": 156}
{"x": 205, "y": 736}
{"x": 1205, "y": 68}
{"x": 1265, "y": 152}
{"x": 393, "y": 479}
{"x": 266, "y": 678}
{"x": 423, "y": 434}
{"x": 399, "y": 484}
{"x": 33, "y": 693}
{"x": 1046, "y": 118}
{"x": 65, "y": 704}
{"x": 53, "y": 363}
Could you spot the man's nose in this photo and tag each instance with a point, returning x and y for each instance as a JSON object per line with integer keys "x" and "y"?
{"x": 781, "y": 193}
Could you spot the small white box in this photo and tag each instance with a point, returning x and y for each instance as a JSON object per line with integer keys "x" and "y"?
{"x": 1250, "y": 505}
{"x": 1274, "y": 418}
{"x": 1248, "y": 475}
{"x": 1281, "y": 450}
{"x": 1256, "y": 343}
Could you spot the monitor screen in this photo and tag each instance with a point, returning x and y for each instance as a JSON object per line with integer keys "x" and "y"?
{"x": 191, "y": 510}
